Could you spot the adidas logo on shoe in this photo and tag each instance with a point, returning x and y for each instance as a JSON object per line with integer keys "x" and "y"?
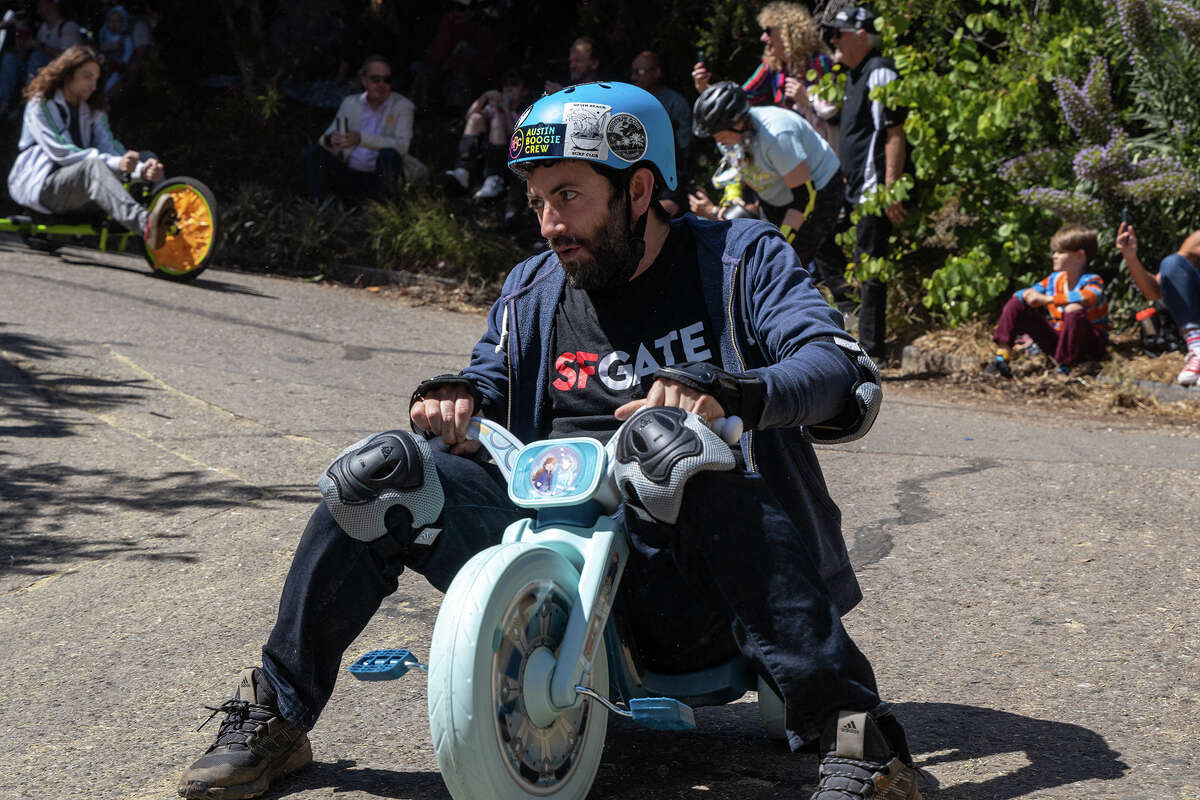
{"x": 849, "y": 727}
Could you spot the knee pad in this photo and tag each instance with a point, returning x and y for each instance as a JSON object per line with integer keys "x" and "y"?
{"x": 375, "y": 474}
{"x": 658, "y": 450}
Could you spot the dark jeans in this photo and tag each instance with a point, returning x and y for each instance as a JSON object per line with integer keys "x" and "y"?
{"x": 1078, "y": 340}
{"x": 732, "y": 536}
{"x": 325, "y": 173}
{"x": 1181, "y": 289}
{"x": 871, "y": 238}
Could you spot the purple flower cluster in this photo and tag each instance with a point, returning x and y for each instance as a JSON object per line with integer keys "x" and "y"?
{"x": 1105, "y": 164}
{"x": 1133, "y": 16}
{"x": 1098, "y": 90}
{"x": 1152, "y": 166}
{"x": 1161, "y": 186}
{"x": 1083, "y": 118}
{"x": 1029, "y": 167}
{"x": 1183, "y": 17}
{"x": 1065, "y": 205}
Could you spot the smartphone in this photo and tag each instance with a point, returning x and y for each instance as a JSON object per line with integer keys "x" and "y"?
{"x": 1125, "y": 215}
{"x": 700, "y": 56}
{"x": 343, "y": 125}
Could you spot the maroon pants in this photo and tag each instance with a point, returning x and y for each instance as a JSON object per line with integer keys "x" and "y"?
{"x": 1078, "y": 339}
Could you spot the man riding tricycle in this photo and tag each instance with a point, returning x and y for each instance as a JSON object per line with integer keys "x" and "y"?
{"x": 641, "y": 333}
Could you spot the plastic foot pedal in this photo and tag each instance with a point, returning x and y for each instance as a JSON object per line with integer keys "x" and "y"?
{"x": 662, "y": 714}
{"x": 383, "y": 665}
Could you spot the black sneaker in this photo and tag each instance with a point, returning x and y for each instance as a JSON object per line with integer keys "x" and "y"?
{"x": 862, "y": 761}
{"x": 998, "y": 366}
{"x": 254, "y": 746}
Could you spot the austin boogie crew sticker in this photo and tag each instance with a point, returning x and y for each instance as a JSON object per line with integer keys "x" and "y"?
{"x": 537, "y": 140}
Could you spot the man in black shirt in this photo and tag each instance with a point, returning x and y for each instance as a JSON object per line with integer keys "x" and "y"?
{"x": 871, "y": 148}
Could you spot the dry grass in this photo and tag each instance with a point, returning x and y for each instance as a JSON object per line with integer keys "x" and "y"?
{"x": 1034, "y": 382}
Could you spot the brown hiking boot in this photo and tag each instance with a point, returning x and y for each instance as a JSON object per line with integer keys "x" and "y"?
{"x": 254, "y": 746}
{"x": 865, "y": 757}
{"x": 156, "y": 224}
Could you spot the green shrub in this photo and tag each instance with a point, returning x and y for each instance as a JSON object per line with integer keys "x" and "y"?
{"x": 420, "y": 231}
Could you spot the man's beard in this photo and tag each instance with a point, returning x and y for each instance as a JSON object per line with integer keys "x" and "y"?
{"x": 606, "y": 258}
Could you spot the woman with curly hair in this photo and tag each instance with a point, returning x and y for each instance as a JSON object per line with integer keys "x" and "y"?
{"x": 69, "y": 160}
{"x": 792, "y": 48}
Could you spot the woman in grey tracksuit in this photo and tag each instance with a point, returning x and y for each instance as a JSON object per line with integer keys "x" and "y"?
{"x": 69, "y": 159}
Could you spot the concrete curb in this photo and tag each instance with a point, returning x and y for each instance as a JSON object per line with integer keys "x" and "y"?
{"x": 915, "y": 361}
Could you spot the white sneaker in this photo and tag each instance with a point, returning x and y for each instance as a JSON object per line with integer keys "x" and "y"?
{"x": 1191, "y": 369}
{"x": 493, "y": 187}
{"x": 459, "y": 176}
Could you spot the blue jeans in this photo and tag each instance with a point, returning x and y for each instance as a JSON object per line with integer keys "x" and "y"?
{"x": 734, "y": 553}
{"x": 325, "y": 173}
{"x": 1181, "y": 289}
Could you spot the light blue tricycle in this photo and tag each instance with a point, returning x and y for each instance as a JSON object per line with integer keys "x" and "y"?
{"x": 526, "y": 661}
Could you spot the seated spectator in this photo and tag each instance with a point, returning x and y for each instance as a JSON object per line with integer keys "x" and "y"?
{"x": 778, "y": 154}
{"x": 648, "y": 74}
{"x": 792, "y": 48}
{"x": 1077, "y": 327}
{"x": 18, "y": 44}
{"x": 69, "y": 160}
{"x": 583, "y": 65}
{"x": 364, "y": 151}
{"x": 54, "y": 36}
{"x": 1177, "y": 283}
{"x": 116, "y": 45}
{"x": 490, "y": 122}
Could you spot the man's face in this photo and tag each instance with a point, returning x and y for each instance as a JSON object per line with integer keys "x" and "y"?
{"x": 851, "y": 47}
{"x": 580, "y": 63}
{"x": 376, "y": 80}
{"x": 584, "y": 221}
{"x": 645, "y": 72}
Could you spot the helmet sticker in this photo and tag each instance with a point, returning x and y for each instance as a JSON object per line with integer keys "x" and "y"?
{"x": 626, "y": 137}
{"x": 544, "y": 141}
{"x": 586, "y": 123}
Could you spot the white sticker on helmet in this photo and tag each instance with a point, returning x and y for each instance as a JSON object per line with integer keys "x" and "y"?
{"x": 586, "y": 123}
{"x": 626, "y": 136}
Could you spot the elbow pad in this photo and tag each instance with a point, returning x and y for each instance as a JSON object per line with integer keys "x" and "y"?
{"x": 861, "y": 408}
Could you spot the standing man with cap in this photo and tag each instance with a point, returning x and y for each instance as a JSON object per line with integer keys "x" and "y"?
{"x": 872, "y": 150}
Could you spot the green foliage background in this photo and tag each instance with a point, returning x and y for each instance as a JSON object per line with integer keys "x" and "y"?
{"x": 976, "y": 75}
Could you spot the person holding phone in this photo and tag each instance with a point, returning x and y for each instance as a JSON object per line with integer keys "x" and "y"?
{"x": 793, "y": 60}
{"x": 364, "y": 151}
{"x": 1177, "y": 284}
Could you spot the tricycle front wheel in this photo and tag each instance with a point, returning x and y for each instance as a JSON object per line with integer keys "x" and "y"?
{"x": 192, "y": 234}
{"x": 505, "y": 603}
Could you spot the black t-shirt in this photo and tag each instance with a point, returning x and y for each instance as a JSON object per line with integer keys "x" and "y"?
{"x": 608, "y": 344}
{"x": 864, "y": 123}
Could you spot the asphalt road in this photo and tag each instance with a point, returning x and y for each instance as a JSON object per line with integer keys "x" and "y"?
{"x": 1032, "y": 589}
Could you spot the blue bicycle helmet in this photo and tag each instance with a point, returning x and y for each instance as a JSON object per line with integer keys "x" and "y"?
{"x": 613, "y": 124}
